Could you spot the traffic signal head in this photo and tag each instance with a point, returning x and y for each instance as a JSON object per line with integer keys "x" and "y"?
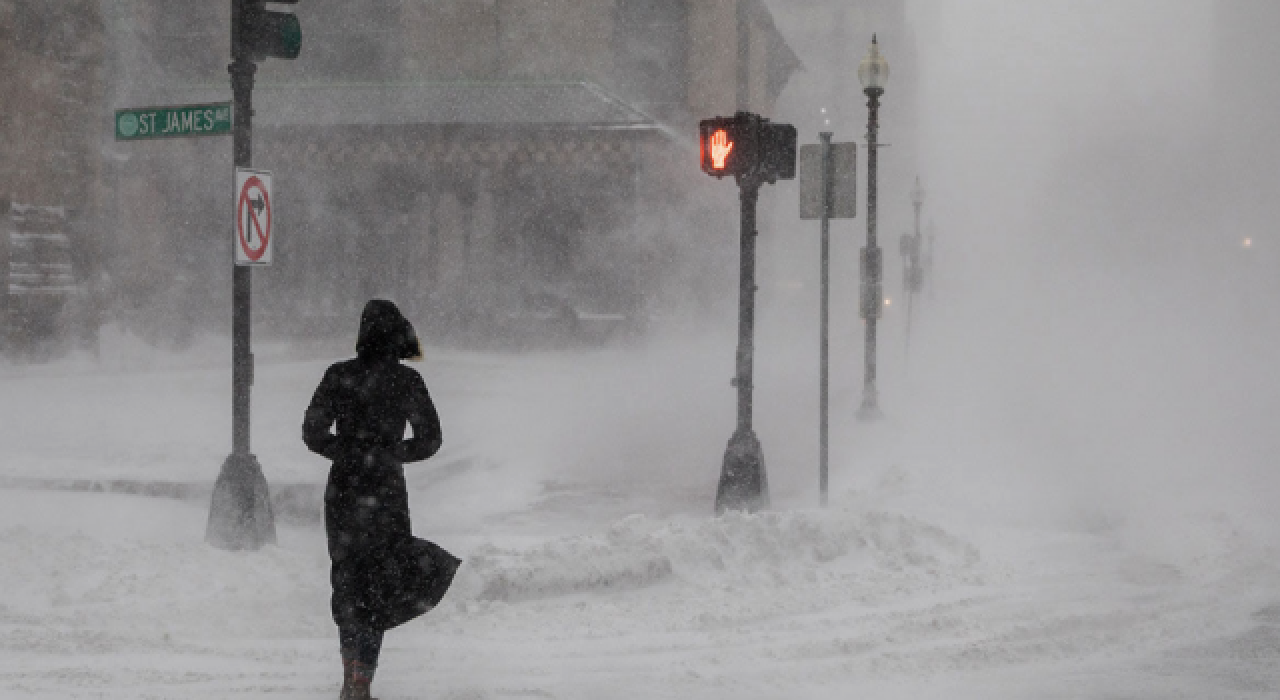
{"x": 261, "y": 33}
{"x": 778, "y": 151}
{"x": 723, "y": 145}
{"x": 747, "y": 145}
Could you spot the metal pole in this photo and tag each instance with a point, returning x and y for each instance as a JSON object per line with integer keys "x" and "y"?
{"x": 742, "y": 73}
{"x": 824, "y": 353}
{"x": 917, "y": 203}
{"x": 928, "y": 268}
{"x": 914, "y": 272}
{"x": 910, "y": 303}
{"x": 242, "y": 72}
{"x": 747, "y": 304}
{"x": 870, "y": 408}
{"x": 240, "y": 514}
{"x": 743, "y": 482}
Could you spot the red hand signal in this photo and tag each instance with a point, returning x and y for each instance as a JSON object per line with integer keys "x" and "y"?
{"x": 720, "y": 148}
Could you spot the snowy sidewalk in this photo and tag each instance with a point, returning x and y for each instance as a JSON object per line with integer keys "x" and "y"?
{"x": 112, "y": 596}
{"x": 593, "y": 568}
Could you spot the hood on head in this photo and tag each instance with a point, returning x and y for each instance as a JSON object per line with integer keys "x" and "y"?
{"x": 385, "y": 332}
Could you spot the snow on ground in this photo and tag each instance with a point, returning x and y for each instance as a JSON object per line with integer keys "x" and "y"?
{"x": 578, "y": 487}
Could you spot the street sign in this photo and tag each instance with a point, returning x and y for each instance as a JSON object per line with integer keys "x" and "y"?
{"x": 254, "y": 216}
{"x": 139, "y": 123}
{"x": 844, "y": 200}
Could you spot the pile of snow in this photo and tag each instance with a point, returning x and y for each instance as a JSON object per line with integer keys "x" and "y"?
{"x": 768, "y": 551}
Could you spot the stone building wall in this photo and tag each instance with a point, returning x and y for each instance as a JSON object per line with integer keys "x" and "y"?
{"x": 414, "y": 210}
{"x": 52, "y": 129}
{"x": 51, "y": 86}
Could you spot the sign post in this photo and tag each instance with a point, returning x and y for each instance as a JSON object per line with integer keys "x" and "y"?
{"x": 827, "y": 191}
{"x": 240, "y": 514}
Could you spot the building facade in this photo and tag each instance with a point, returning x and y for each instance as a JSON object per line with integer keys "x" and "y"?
{"x": 487, "y": 163}
{"x": 51, "y": 186}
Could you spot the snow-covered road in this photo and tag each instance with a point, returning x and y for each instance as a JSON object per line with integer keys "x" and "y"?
{"x": 577, "y": 488}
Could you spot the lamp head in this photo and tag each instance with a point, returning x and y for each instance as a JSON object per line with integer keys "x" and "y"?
{"x": 917, "y": 194}
{"x": 873, "y": 72}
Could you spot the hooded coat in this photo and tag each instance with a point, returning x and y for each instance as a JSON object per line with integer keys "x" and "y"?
{"x": 382, "y": 575}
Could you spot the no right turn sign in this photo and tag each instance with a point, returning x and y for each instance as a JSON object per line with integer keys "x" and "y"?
{"x": 254, "y": 215}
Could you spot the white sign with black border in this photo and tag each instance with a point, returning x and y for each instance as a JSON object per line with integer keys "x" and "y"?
{"x": 254, "y": 217}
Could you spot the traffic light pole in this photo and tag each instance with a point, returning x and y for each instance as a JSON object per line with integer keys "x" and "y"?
{"x": 240, "y": 514}
{"x": 871, "y": 302}
{"x": 755, "y": 152}
{"x": 743, "y": 482}
{"x": 242, "y": 72}
{"x": 748, "y": 195}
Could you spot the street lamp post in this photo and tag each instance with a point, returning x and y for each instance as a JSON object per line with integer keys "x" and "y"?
{"x": 917, "y": 202}
{"x": 928, "y": 259}
{"x": 873, "y": 73}
{"x": 913, "y": 272}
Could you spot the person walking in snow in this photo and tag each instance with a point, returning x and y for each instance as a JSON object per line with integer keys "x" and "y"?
{"x": 382, "y": 575}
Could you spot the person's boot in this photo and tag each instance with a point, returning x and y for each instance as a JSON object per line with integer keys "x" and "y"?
{"x": 361, "y": 679}
{"x": 347, "y": 668}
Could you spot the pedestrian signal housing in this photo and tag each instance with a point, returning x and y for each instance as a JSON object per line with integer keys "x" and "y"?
{"x": 259, "y": 33}
{"x": 747, "y": 145}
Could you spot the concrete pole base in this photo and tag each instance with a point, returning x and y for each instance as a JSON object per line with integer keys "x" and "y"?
{"x": 240, "y": 514}
{"x": 744, "y": 485}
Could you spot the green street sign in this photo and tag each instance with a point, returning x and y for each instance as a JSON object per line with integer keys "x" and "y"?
{"x": 137, "y": 123}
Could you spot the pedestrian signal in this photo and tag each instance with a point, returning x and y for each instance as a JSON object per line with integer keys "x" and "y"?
{"x": 721, "y": 147}
{"x": 721, "y": 151}
{"x": 747, "y": 145}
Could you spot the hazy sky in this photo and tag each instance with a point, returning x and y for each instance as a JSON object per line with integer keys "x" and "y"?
{"x": 1091, "y": 301}
{"x": 1009, "y": 88}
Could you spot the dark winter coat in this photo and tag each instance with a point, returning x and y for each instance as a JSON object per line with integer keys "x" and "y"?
{"x": 382, "y": 575}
